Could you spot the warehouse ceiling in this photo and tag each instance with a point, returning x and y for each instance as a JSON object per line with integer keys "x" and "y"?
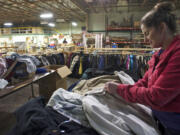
{"x": 28, "y": 11}
{"x": 107, "y": 5}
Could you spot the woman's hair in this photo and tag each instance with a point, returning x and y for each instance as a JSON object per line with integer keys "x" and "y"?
{"x": 162, "y": 12}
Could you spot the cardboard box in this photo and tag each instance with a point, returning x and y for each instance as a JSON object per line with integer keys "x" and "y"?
{"x": 54, "y": 81}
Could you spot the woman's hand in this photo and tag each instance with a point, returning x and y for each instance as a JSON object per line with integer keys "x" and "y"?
{"x": 111, "y": 87}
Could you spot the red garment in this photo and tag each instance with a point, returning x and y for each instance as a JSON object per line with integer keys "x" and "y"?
{"x": 160, "y": 87}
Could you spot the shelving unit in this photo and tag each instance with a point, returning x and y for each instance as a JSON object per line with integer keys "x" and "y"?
{"x": 77, "y": 38}
{"x": 129, "y": 42}
{"x": 111, "y": 29}
{"x": 131, "y": 30}
{"x": 4, "y": 50}
{"x": 21, "y": 30}
{"x": 128, "y": 36}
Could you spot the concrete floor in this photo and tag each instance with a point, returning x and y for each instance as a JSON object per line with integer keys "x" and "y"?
{"x": 11, "y": 102}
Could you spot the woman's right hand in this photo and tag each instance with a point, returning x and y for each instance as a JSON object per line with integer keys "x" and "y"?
{"x": 111, "y": 87}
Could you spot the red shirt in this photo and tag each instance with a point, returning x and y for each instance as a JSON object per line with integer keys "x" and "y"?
{"x": 160, "y": 86}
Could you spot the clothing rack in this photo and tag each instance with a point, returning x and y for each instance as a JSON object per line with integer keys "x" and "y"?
{"x": 114, "y": 53}
{"x": 132, "y": 61}
{"x": 125, "y": 53}
{"x": 122, "y": 51}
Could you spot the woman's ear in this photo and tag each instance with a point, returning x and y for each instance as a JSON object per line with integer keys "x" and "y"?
{"x": 163, "y": 27}
{"x": 163, "y": 31}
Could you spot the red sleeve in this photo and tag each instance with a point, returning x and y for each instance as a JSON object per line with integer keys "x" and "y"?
{"x": 143, "y": 82}
{"x": 163, "y": 91}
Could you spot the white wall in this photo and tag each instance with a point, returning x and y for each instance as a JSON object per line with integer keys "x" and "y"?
{"x": 96, "y": 21}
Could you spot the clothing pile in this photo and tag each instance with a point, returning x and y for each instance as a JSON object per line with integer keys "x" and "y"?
{"x": 88, "y": 109}
{"x": 16, "y": 68}
{"x": 90, "y": 105}
{"x": 19, "y": 67}
{"x": 35, "y": 118}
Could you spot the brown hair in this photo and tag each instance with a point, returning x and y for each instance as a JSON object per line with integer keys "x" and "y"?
{"x": 162, "y": 12}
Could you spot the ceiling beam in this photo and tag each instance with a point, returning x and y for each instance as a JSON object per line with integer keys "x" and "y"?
{"x": 58, "y": 12}
{"x": 8, "y": 9}
{"x": 45, "y": 8}
{"x": 103, "y": 5}
{"x": 91, "y": 7}
{"x": 26, "y": 5}
{"x": 72, "y": 12}
{"x": 80, "y": 6}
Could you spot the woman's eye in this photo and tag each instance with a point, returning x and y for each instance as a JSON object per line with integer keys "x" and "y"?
{"x": 146, "y": 33}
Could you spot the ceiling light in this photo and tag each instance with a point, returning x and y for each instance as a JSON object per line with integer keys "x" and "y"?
{"x": 32, "y": 0}
{"x": 89, "y": 1}
{"x": 47, "y": 15}
{"x": 43, "y": 22}
{"x": 8, "y": 24}
{"x": 51, "y": 24}
{"x": 60, "y": 20}
{"x": 74, "y": 24}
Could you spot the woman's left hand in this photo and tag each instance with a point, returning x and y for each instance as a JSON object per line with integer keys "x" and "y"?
{"x": 111, "y": 87}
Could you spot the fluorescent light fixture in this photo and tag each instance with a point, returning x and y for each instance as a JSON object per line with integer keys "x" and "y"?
{"x": 8, "y": 24}
{"x": 51, "y": 24}
{"x": 60, "y": 20}
{"x": 89, "y": 1}
{"x": 74, "y": 24}
{"x": 43, "y": 22}
{"x": 47, "y": 15}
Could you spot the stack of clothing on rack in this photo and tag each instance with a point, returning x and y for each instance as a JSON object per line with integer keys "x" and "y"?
{"x": 52, "y": 59}
{"x": 101, "y": 64}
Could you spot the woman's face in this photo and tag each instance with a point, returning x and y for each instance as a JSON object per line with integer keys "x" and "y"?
{"x": 152, "y": 35}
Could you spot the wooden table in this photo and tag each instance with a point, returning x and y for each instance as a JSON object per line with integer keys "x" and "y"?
{"x": 12, "y": 89}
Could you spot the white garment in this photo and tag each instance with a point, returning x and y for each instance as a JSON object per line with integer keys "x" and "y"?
{"x": 69, "y": 104}
{"x": 125, "y": 78}
{"x": 112, "y": 116}
{"x": 75, "y": 60}
{"x": 107, "y": 114}
{"x": 31, "y": 67}
{"x": 3, "y": 66}
{"x": 3, "y": 83}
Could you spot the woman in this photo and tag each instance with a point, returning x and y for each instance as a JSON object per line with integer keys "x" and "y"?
{"x": 160, "y": 87}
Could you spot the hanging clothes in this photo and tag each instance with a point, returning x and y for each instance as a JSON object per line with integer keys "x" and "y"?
{"x": 108, "y": 63}
{"x": 3, "y": 66}
{"x": 101, "y": 63}
{"x": 74, "y": 61}
{"x": 44, "y": 60}
{"x": 61, "y": 56}
{"x": 131, "y": 62}
{"x": 80, "y": 66}
{"x": 127, "y": 62}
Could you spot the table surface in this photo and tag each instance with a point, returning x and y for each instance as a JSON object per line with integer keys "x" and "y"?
{"x": 14, "y": 88}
